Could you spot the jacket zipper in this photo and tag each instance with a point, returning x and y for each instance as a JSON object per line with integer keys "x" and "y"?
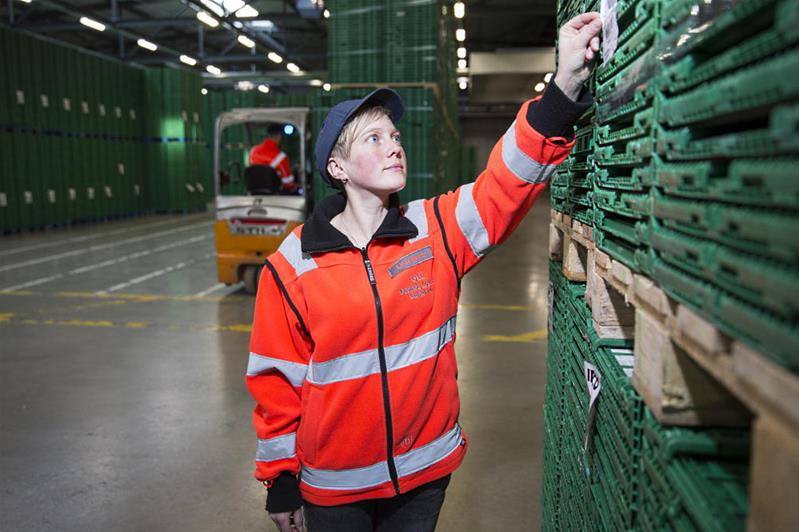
{"x": 392, "y": 468}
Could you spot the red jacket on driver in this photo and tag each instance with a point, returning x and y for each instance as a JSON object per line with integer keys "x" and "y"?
{"x": 269, "y": 153}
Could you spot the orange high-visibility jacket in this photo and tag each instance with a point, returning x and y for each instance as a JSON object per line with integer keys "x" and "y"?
{"x": 268, "y": 153}
{"x": 351, "y": 360}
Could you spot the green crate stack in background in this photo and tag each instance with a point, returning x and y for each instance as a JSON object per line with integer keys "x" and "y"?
{"x": 618, "y": 469}
{"x": 686, "y": 159}
{"x": 401, "y": 42}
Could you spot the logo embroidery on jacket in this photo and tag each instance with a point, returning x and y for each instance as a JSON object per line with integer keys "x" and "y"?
{"x": 408, "y": 261}
{"x": 420, "y": 286}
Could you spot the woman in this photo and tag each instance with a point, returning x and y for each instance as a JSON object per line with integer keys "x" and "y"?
{"x": 351, "y": 356}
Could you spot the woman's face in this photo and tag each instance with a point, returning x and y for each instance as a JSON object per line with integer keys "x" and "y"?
{"x": 377, "y": 160}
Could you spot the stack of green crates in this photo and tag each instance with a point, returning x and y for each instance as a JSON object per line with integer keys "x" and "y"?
{"x": 725, "y": 205}
{"x": 620, "y": 469}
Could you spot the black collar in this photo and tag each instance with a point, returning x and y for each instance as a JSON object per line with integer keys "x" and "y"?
{"x": 319, "y": 235}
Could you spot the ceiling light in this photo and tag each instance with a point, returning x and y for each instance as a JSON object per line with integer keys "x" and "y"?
{"x": 207, "y": 19}
{"x": 326, "y": 87}
{"x": 238, "y": 25}
{"x": 459, "y": 9}
{"x": 315, "y": 83}
{"x": 460, "y": 34}
{"x": 461, "y": 53}
{"x": 539, "y": 86}
{"x": 274, "y": 57}
{"x": 147, "y": 45}
{"x": 326, "y": 13}
{"x": 213, "y": 6}
{"x": 93, "y": 24}
{"x": 26, "y": 1}
{"x": 547, "y": 77}
{"x": 263, "y": 88}
{"x": 203, "y": 91}
{"x": 246, "y": 41}
{"x": 247, "y": 12}
{"x": 292, "y": 68}
{"x": 188, "y": 60}
{"x": 213, "y": 70}
{"x": 461, "y": 63}
{"x": 463, "y": 85}
{"x": 245, "y": 85}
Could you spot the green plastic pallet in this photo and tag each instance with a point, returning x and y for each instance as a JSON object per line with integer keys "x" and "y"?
{"x": 631, "y": 204}
{"x": 642, "y": 125}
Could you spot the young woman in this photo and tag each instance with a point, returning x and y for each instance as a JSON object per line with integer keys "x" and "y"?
{"x": 351, "y": 356}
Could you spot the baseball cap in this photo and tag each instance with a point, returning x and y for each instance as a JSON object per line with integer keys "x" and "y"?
{"x": 340, "y": 114}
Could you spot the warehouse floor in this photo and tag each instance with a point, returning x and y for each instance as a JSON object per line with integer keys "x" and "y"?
{"x": 123, "y": 398}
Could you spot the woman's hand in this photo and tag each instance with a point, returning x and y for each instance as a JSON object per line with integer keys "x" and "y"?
{"x": 578, "y": 44}
{"x": 289, "y": 521}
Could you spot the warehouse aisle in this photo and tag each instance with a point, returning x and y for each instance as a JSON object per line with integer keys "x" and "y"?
{"x": 123, "y": 399}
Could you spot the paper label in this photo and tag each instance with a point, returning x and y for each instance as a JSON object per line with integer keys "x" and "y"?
{"x": 118, "y": 112}
{"x": 3, "y": 200}
{"x": 21, "y": 97}
{"x": 67, "y": 104}
{"x": 136, "y": 189}
{"x": 108, "y": 191}
{"x": 593, "y": 381}
{"x": 51, "y": 195}
{"x": 28, "y": 197}
{"x": 133, "y": 114}
{"x": 90, "y": 193}
{"x": 101, "y": 108}
{"x": 73, "y": 195}
{"x": 121, "y": 168}
{"x": 196, "y": 118}
{"x": 84, "y": 107}
{"x": 610, "y": 29}
{"x": 200, "y": 187}
{"x": 189, "y": 187}
{"x": 185, "y": 116}
{"x": 45, "y": 100}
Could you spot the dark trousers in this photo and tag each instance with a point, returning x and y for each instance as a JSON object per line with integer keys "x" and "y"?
{"x": 415, "y": 511}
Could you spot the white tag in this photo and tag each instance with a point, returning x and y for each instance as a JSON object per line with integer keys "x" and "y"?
{"x": 200, "y": 187}
{"x": 85, "y": 107}
{"x": 101, "y": 108}
{"x": 196, "y": 117}
{"x": 72, "y": 194}
{"x": 118, "y": 112}
{"x": 185, "y": 116}
{"x": 189, "y": 187}
{"x": 136, "y": 189}
{"x": 3, "y": 200}
{"x": 610, "y": 29}
{"x": 107, "y": 191}
{"x": 51, "y": 195}
{"x": 121, "y": 168}
{"x": 90, "y": 193}
{"x": 593, "y": 381}
{"x": 628, "y": 372}
{"x": 625, "y": 361}
{"x": 133, "y": 114}
{"x": 45, "y": 100}
{"x": 21, "y": 97}
{"x": 67, "y": 104}
{"x": 28, "y": 197}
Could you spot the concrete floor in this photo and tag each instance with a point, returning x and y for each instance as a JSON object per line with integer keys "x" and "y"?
{"x": 122, "y": 397}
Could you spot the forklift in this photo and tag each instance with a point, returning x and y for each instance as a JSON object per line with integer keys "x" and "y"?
{"x": 253, "y": 212}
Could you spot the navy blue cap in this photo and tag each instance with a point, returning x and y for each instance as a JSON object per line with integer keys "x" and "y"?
{"x": 338, "y": 116}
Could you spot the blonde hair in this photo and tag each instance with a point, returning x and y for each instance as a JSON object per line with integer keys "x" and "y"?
{"x": 347, "y": 136}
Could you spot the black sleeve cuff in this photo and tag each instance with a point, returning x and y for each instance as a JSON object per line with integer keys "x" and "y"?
{"x": 554, "y": 115}
{"x": 284, "y": 495}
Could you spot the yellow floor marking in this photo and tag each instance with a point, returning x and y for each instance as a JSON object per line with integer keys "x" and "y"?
{"x": 237, "y": 328}
{"x": 6, "y": 317}
{"x": 526, "y": 338}
{"x": 137, "y": 298}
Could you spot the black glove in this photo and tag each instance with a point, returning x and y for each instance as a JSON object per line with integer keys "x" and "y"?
{"x": 284, "y": 495}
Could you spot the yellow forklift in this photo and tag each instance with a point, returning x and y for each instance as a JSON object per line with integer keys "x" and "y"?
{"x": 253, "y": 212}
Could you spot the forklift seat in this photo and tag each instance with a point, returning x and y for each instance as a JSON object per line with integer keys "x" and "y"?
{"x": 262, "y": 179}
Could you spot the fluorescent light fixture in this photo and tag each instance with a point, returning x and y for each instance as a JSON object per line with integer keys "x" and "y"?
{"x": 315, "y": 83}
{"x": 460, "y": 35}
{"x": 291, "y": 67}
{"x": 246, "y": 41}
{"x": 547, "y": 77}
{"x": 274, "y": 57}
{"x": 539, "y": 86}
{"x": 463, "y": 79}
{"x": 461, "y": 63}
{"x": 263, "y": 88}
{"x": 26, "y": 1}
{"x": 247, "y": 12}
{"x": 147, "y": 45}
{"x": 214, "y": 7}
{"x": 326, "y": 13}
{"x": 326, "y": 87}
{"x": 188, "y": 60}
{"x": 460, "y": 9}
{"x": 93, "y": 24}
{"x": 245, "y": 85}
{"x": 266, "y": 25}
{"x": 238, "y": 25}
{"x": 461, "y": 53}
{"x": 213, "y": 70}
{"x": 203, "y": 91}
{"x": 463, "y": 85}
{"x": 207, "y": 19}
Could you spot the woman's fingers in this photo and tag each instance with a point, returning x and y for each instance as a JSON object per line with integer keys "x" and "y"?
{"x": 583, "y": 19}
{"x": 299, "y": 523}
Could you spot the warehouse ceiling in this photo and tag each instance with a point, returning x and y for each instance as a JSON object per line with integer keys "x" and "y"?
{"x": 292, "y": 29}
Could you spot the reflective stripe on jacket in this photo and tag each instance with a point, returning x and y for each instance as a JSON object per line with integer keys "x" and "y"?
{"x": 352, "y": 361}
{"x": 268, "y": 153}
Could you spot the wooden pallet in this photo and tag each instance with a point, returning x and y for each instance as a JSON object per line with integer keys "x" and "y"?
{"x": 690, "y": 373}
